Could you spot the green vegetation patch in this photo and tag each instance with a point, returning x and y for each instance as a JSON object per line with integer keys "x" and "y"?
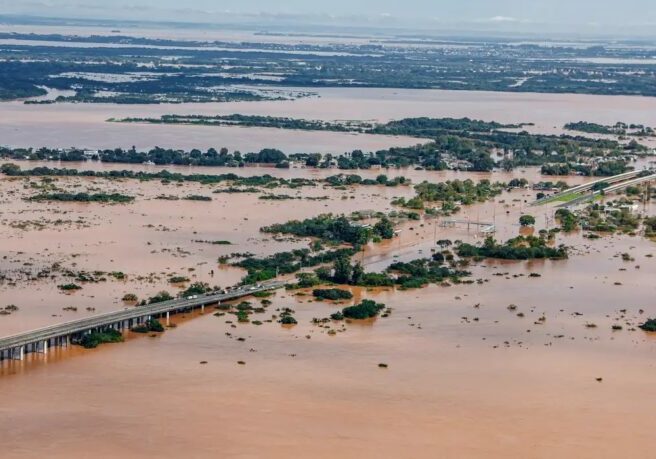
{"x": 519, "y": 248}
{"x": 94, "y": 339}
{"x": 649, "y": 325}
{"x": 332, "y": 294}
{"x": 152, "y": 325}
{"x": 116, "y": 198}
{"x": 365, "y": 310}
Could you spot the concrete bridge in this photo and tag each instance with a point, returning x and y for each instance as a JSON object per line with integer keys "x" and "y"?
{"x": 610, "y": 189}
{"x": 589, "y": 185}
{"x": 16, "y": 346}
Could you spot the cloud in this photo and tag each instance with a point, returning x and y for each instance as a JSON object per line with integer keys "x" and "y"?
{"x": 502, "y": 19}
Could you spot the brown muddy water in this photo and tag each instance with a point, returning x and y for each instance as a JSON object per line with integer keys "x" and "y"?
{"x": 466, "y": 377}
{"x": 85, "y": 126}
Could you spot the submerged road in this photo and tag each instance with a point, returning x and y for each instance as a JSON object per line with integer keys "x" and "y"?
{"x": 15, "y": 346}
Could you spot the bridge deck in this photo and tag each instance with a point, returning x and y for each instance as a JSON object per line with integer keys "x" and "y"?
{"x": 610, "y": 189}
{"x": 107, "y": 319}
{"x": 588, "y": 185}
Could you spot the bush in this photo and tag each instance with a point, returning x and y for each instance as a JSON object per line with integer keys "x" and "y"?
{"x": 84, "y": 197}
{"x": 197, "y": 288}
{"x": 160, "y": 297}
{"x": 364, "y": 310}
{"x": 242, "y": 316}
{"x": 527, "y": 220}
{"x": 178, "y": 279}
{"x": 337, "y": 316}
{"x": 288, "y": 320}
{"x": 649, "y": 326}
{"x": 332, "y": 294}
{"x": 152, "y": 325}
{"x": 69, "y": 287}
{"x": 94, "y": 339}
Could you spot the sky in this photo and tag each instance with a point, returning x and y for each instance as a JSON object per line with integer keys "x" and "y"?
{"x": 625, "y": 17}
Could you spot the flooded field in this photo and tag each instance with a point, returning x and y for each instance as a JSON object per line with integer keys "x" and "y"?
{"x": 152, "y": 240}
{"x": 85, "y": 126}
{"x": 466, "y": 376}
{"x": 524, "y": 359}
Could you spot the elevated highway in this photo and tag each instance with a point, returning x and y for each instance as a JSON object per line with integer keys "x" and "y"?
{"x": 568, "y": 196}
{"x": 589, "y": 186}
{"x": 39, "y": 340}
{"x": 610, "y": 189}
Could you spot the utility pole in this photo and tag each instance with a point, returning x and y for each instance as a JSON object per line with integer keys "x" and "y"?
{"x": 494, "y": 214}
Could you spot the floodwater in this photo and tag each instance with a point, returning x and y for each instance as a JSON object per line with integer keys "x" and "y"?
{"x": 86, "y": 126}
{"x": 151, "y": 240}
{"x": 466, "y": 377}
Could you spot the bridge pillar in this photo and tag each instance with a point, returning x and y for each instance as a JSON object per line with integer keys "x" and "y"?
{"x": 202, "y": 308}
{"x": 168, "y": 318}
{"x": 18, "y": 353}
{"x": 40, "y": 348}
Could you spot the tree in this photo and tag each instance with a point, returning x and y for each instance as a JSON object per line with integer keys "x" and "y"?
{"x": 10, "y": 169}
{"x": 343, "y": 270}
{"x": 527, "y": 220}
{"x": 160, "y": 297}
{"x": 312, "y": 160}
{"x": 197, "y": 288}
{"x": 438, "y": 257}
{"x": 358, "y": 274}
{"x": 384, "y": 228}
{"x": 568, "y": 220}
{"x": 382, "y": 179}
